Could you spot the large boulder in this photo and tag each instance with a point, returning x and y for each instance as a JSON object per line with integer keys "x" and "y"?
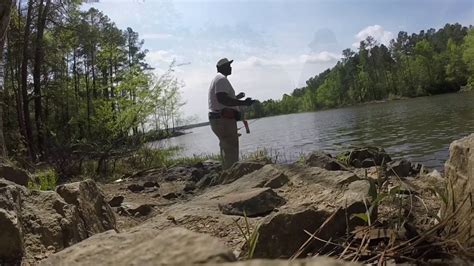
{"x": 254, "y": 202}
{"x": 317, "y": 200}
{"x": 49, "y": 223}
{"x": 459, "y": 171}
{"x": 175, "y": 246}
{"x": 35, "y": 224}
{"x": 14, "y": 174}
{"x": 323, "y": 160}
{"x": 91, "y": 204}
{"x": 11, "y": 234}
{"x": 282, "y": 235}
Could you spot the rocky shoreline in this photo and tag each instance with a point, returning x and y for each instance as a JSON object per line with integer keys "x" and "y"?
{"x": 357, "y": 206}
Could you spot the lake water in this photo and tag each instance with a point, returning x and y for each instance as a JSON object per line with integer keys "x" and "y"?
{"x": 418, "y": 129}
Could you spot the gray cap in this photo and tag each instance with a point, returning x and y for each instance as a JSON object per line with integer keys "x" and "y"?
{"x": 224, "y": 61}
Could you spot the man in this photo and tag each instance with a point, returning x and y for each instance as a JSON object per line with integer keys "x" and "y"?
{"x": 224, "y": 112}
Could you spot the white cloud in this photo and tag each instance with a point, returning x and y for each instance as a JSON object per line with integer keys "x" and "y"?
{"x": 312, "y": 58}
{"x": 161, "y": 59}
{"x": 157, "y": 36}
{"x": 322, "y": 57}
{"x": 377, "y": 32}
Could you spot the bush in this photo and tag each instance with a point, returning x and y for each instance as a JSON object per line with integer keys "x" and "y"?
{"x": 45, "y": 179}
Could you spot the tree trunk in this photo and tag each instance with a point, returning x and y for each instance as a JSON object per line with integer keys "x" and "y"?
{"x": 38, "y": 62}
{"x": 5, "y": 11}
{"x": 24, "y": 83}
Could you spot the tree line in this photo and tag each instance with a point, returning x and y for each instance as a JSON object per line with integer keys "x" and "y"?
{"x": 427, "y": 63}
{"x": 72, "y": 83}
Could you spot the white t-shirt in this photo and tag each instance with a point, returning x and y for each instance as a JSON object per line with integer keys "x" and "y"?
{"x": 220, "y": 84}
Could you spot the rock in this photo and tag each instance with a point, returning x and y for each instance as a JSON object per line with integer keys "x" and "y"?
{"x": 281, "y": 235}
{"x": 170, "y": 196}
{"x": 189, "y": 187}
{"x": 367, "y": 163}
{"x": 35, "y": 223}
{"x": 315, "y": 261}
{"x": 197, "y": 174}
{"x": 208, "y": 180}
{"x": 137, "y": 210}
{"x": 364, "y": 157}
{"x": 175, "y": 246}
{"x": 150, "y": 189}
{"x": 320, "y": 159}
{"x": 116, "y": 201}
{"x": 11, "y": 233}
{"x": 276, "y": 181}
{"x": 14, "y": 174}
{"x": 91, "y": 204}
{"x": 400, "y": 168}
{"x": 255, "y": 202}
{"x": 151, "y": 184}
{"x": 240, "y": 169}
{"x": 269, "y": 175}
{"x": 459, "y": 171}
{"x": 416, "y": 169}
{"x": 50, "y": 223}
{"x": 135, "y": 188}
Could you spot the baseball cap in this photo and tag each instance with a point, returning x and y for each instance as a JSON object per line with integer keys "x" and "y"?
{"x": 224, "y": 61}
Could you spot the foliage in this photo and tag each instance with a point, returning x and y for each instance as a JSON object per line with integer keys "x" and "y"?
{"x": 78, "y": 89}
{"x": 45, "y": 179}
{"x": 431, "y": 62}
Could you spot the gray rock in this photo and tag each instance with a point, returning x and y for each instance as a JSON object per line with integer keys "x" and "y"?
{"x": 276, "y": 181}
{"x": 170, "y": 196}
{"x": 399, "y": 168}
{"x": 316, "y": 261}
{"x": 11, "y": 233}
{"x": 189, "y": 187}
{"x": 116, "y": 201}
{"x": 91, "y": 204}
{"x": 281, "y": 235}
{"x": 320, "y": 159}
{"x": 175, "y": 246}
{"x": 135, "y": 188}
{"x": 14, "y": 174}
{"x": 148, "y": 184}
{"x": 240, "y": 169}
{"x": 459, "y": 171}
{"x": 254, "y": 202}
{"x": 365, "y": 157}
{"x": 136, "y": 210}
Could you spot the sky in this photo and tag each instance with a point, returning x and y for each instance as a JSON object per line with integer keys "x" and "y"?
{"x": 276, "y": 45}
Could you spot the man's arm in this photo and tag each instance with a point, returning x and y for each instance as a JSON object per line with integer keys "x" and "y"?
{"x": 224, "y": 99}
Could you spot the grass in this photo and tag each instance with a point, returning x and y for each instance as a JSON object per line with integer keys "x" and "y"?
{"x": 45, "y": 179}
{"x": 250, "y": 235}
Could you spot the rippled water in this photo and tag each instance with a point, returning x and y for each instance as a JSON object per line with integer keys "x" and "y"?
{"x": 418, "y": 129}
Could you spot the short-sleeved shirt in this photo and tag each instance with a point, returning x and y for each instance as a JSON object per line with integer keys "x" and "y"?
{"x": 220, "y": 84}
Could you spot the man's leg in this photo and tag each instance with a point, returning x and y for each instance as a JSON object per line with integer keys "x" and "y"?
{"x": 230, "y": 143}
{"x": 226, "y": 131}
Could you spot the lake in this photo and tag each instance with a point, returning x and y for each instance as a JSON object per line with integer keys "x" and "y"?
{"x": 417, "y": 129}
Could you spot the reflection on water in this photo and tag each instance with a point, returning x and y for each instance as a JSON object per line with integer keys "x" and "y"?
{"x": 419, "y": 129}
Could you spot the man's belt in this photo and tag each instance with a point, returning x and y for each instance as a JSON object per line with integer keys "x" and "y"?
{"x": 214, "y": 115}
{"x": 225, "y": 113}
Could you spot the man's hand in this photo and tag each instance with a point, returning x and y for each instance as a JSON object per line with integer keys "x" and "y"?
{"x": 240, "y": 96}
{"x": 249, "y": 101}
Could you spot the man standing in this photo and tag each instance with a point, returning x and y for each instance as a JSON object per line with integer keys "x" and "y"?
{"x": 224, "y": 112}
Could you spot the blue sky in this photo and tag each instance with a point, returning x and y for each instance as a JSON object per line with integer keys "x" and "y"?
{"x": 277, "y": 45}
